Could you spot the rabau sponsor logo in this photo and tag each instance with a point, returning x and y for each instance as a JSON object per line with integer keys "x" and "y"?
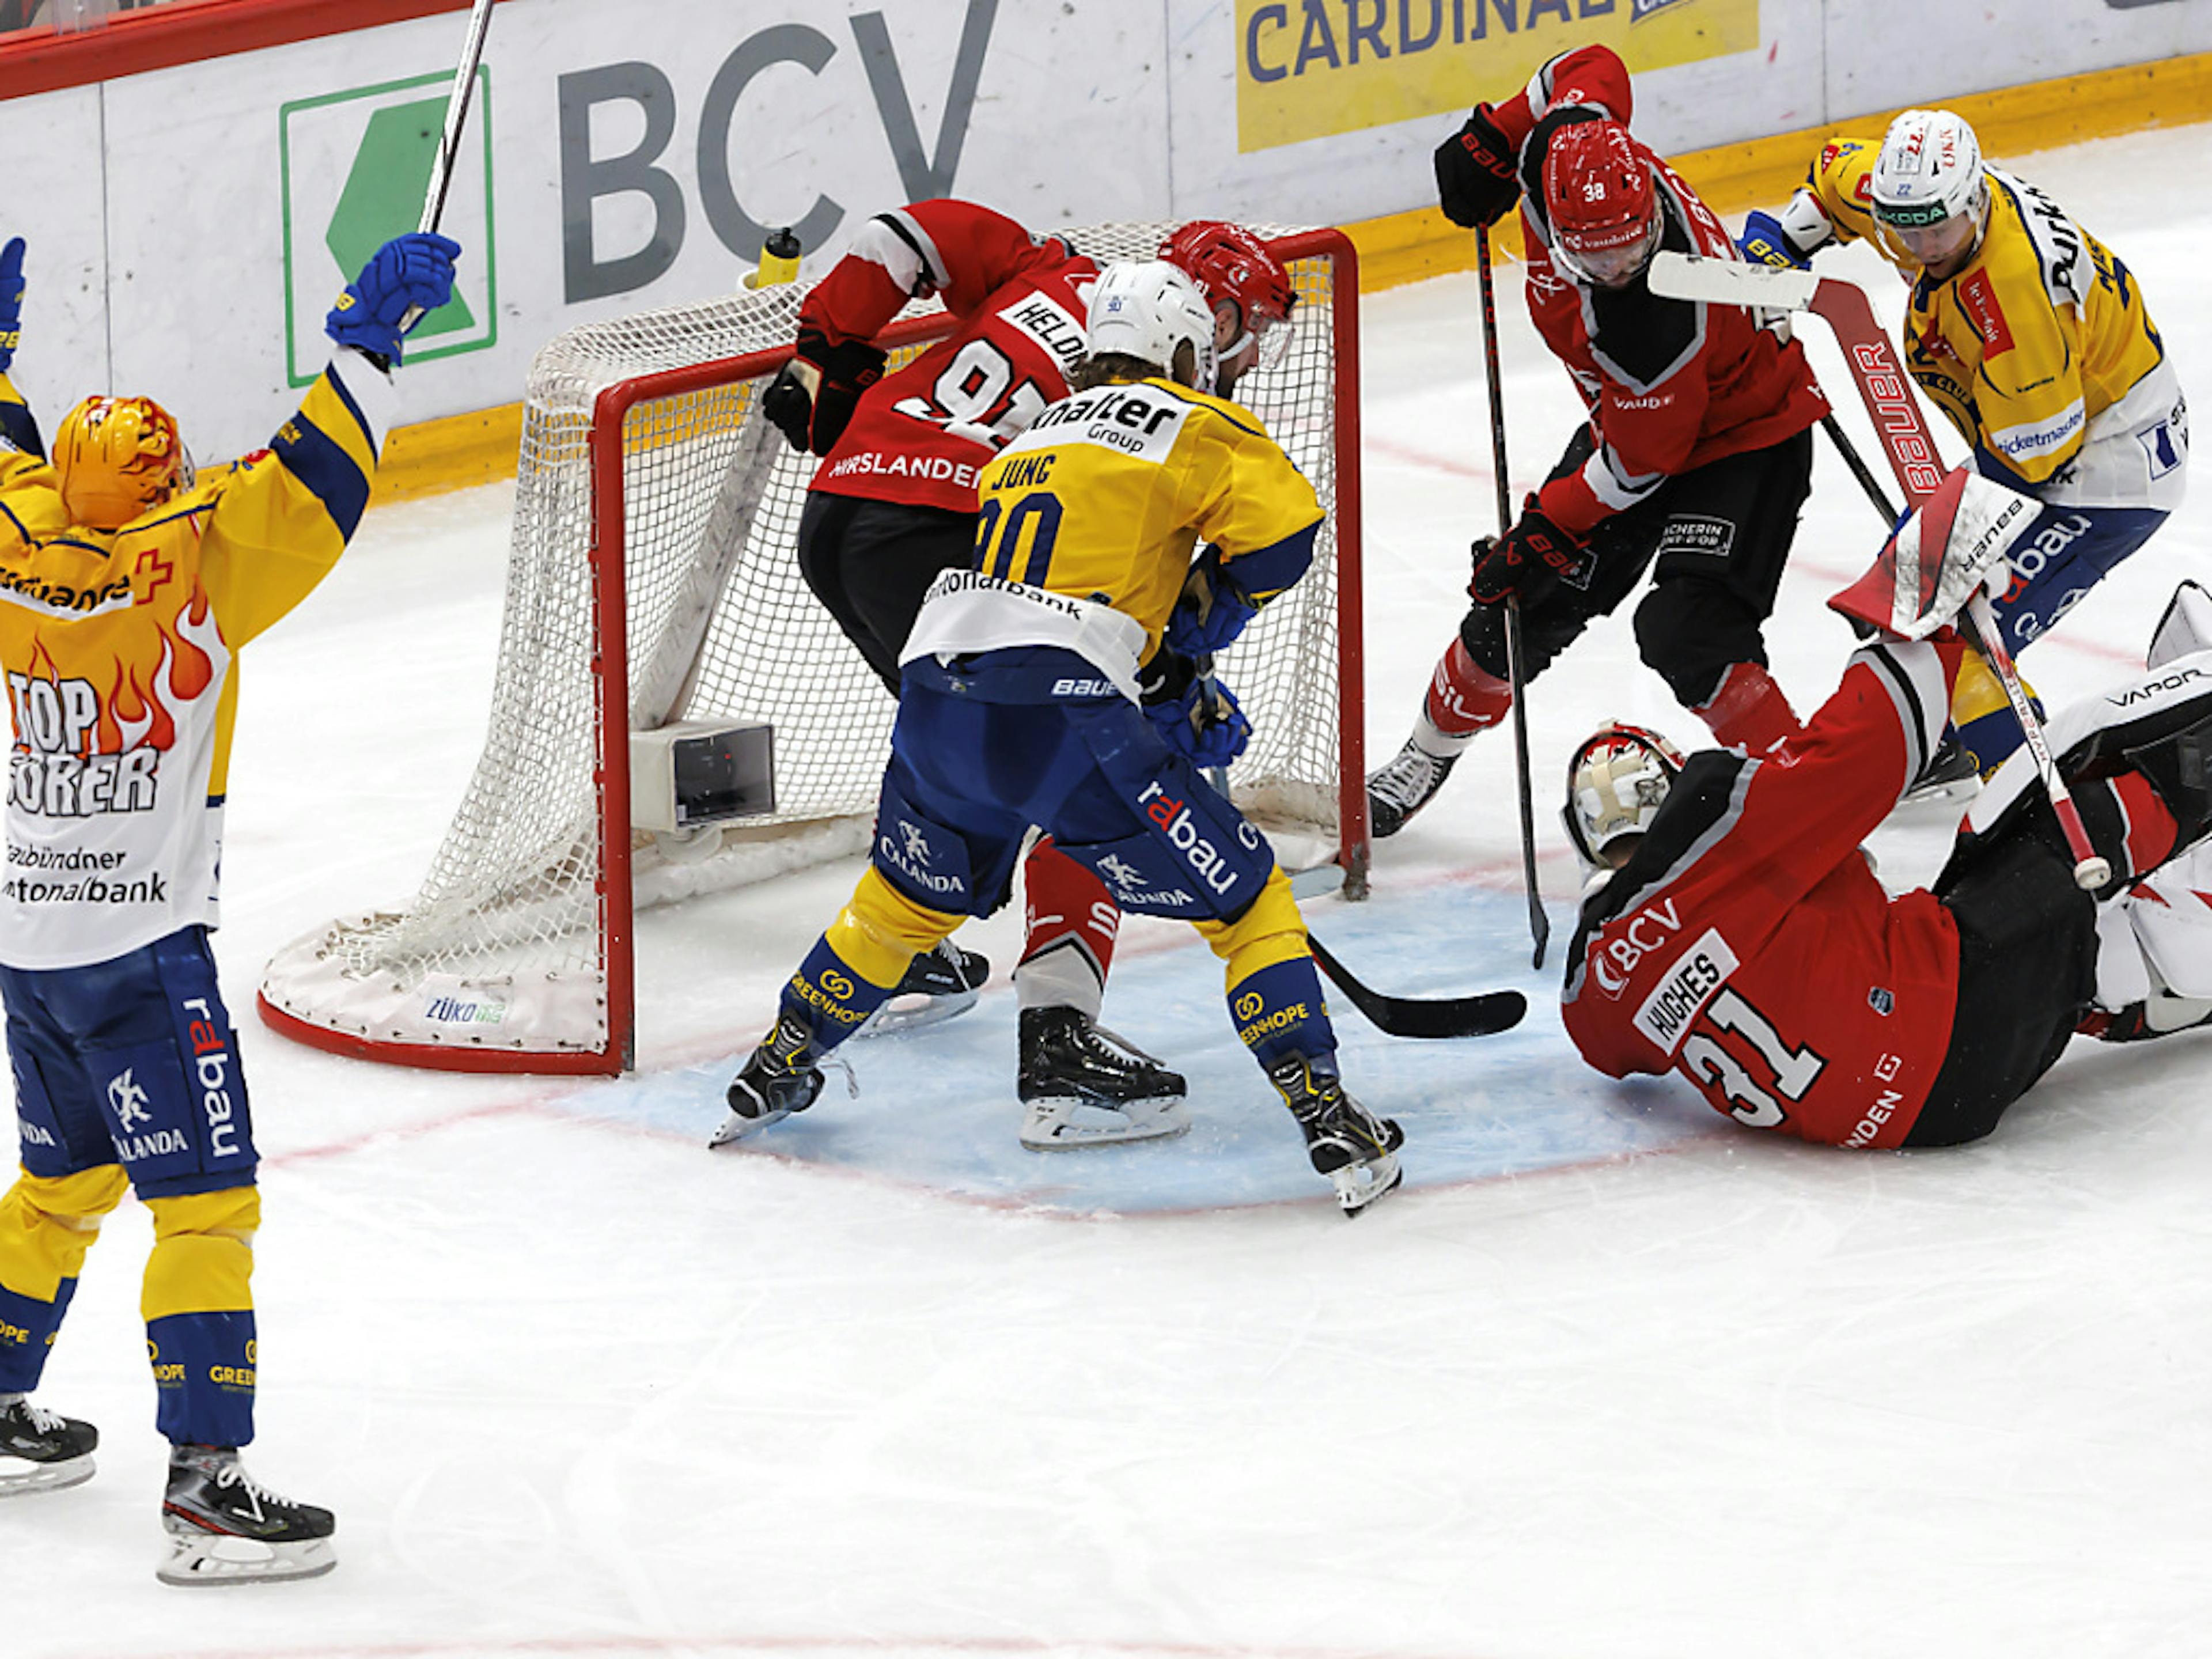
{"x": 355, "y": 167}
{"x": 1310, "y": 68}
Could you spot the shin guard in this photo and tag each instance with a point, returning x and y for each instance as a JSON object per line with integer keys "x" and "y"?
{"x": 1072, "y": 923}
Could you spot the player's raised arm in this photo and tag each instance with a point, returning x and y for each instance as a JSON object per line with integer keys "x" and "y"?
{"x": 281, "y": 517}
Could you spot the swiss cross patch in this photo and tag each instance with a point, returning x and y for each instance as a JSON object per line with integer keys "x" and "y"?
{"x": 1979, "y": 301}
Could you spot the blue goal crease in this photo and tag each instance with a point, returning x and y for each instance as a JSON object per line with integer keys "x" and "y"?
{"x": 937, "y": 1108}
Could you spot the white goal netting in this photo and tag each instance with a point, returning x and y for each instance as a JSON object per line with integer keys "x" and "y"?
{"x": 514, "y": 954}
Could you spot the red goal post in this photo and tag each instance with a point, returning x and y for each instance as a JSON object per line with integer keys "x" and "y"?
{"x": 652, "y": 493}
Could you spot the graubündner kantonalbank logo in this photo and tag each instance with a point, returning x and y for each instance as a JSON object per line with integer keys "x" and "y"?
{"x": 1310, "y": 68}
{"x": 356, "y": 165}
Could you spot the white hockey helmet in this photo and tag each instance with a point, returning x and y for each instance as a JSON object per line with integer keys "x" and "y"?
{"x": 1149, "y": 311}
{"x": 1931, "y": 197}
{"x": 1616, "y": 783}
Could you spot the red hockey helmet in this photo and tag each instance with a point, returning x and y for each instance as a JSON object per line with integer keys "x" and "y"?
{"x": 1232, "y": 264}
{"x": 1602, "y": 206}
{"x": 1616, "y": 783}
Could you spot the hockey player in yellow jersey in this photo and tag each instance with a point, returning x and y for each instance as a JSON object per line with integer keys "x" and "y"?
{"x": 2035, "y": 341}
{"x": 127, "y": 587}
{"x": 1054, "y": 686}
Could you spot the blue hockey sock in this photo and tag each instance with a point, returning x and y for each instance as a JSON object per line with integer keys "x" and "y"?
{"x": 1279, "y": 1013}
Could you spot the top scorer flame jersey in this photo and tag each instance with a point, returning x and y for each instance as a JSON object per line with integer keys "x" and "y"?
{"x": 1670, "y": 384}
{"x": 921, "y": 435}
{"x": 2041, "y": 332}
{"x": 1747, "y": 945}
{"x": 1087, "y": 523}
{"x": 118, "y": 648}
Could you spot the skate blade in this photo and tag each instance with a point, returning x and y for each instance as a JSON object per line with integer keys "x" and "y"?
{"x": 914, "y": 1010}
{"x": 1950, "y": 796}
{"x": 1068, "y": 1125}
{"x": 737, "y": 1126}
{"x": 198, "y": 1559}
{"x": 1359, "y": 1185}
{"x": 19, "y": 1478}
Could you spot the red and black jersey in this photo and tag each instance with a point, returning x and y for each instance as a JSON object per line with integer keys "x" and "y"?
{"x": 1747, "y": 943}
{"x": 1670, "y": 383}
{"x": 920, "y": 435}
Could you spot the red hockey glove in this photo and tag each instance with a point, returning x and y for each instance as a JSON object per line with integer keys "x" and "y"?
{"x": 1530, "y": 559}
{"x": 1478, "y": 173}
{"x": 813, "y": 399}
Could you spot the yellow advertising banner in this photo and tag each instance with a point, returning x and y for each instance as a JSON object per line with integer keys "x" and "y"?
{"x": 1311, "y": 69}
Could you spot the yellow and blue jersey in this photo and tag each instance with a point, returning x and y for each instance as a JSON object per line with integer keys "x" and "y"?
{"x": 2041, "y": 332}
{"x": 118, "y": 647}
{"x": 1107, "y": 494}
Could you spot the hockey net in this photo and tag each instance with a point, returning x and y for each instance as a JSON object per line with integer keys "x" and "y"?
{"x": 651, "y": 491}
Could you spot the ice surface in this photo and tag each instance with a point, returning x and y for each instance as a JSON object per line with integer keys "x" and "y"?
{"x": 1611, "y": 1377}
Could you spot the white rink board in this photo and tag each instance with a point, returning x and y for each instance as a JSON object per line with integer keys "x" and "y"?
{"x": 1612, "y": 1378}
{"x": 164, "y": 254}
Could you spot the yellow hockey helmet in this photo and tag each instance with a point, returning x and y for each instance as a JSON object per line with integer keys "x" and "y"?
{"x": 118, "y": 458}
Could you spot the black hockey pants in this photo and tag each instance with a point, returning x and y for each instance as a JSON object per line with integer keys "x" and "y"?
{"x": 1715, "y": 540}
{"x": 870, "y": 562}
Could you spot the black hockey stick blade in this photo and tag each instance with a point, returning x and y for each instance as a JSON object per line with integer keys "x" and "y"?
{"x": 1411, "y": 1017}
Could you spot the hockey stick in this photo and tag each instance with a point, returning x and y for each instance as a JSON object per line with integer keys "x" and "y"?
{"x": 1540, "y": 924}
{"x": 1903, "y": 429}
{"x": 457, "y": 118}
{"x": 1415, "y": 1017}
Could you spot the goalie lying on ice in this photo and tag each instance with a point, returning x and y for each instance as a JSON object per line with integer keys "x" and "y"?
{"x": 1741, "y": 938}
{"x": 1020, "y": 708}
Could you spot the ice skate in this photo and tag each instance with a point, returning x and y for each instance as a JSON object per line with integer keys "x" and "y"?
{"x": 1951, "y": 778}
{"x": 938, "y": 984}
{"x": 42, "y": 1450}
{"x": 226, "y": 1527}
{"x": 781, "y": 1078}
{"x": 1404, "y": 786}
{"x": 1355, "y": 1149}
{"x": 1085, "y": 1086}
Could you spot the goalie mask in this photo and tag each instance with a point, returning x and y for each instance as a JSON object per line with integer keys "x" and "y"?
{"x": 1930, "y": 196}
{"x": 1150, "y": 311}
{"x": 1232, "y": 264}
{"x": 1616, "y": 783}
{"x": 118, "y": 459}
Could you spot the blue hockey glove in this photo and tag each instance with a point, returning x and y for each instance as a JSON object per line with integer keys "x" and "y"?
{"x": 1764, "y": 242}
{"x": 411, "y": 272}
{"x": 1204, "y": 724}
{"x": 1211, "y": 612}
{"x": 11, "y": 301}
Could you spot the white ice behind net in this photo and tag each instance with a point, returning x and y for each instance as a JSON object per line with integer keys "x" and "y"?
{"x": 504, "y": 947}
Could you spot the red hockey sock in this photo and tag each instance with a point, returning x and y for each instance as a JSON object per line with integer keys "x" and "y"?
{"x": 1464, "y": 699}
{"x": 1748, "y": 711}
{"x": 2151, "y": 831}
{"x": 1073, "y": 920}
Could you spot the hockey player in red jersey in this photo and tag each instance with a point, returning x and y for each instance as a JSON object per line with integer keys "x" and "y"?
{"x": 893, "y": 504}
{"x": 1694, "y": 461}
{"x": 1741, "y": 938}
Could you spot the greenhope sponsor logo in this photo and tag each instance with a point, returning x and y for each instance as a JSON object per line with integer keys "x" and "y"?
{"x": 355, "y": 167}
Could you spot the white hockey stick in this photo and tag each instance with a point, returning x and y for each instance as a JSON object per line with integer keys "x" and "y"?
{"x": 457, "y": 118}
{"x": 1898, "y": 422}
